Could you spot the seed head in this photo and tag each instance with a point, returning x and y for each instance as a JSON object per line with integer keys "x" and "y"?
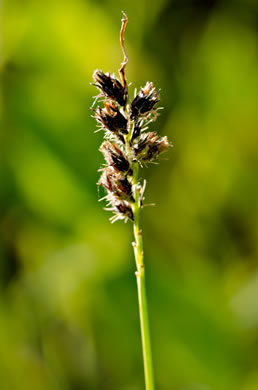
{"x": 126, "y": 142}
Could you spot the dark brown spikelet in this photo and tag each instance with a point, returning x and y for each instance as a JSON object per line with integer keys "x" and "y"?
{"x": 150, "y": 146}
{"x": 115, "y": 157}
{"x": 110, "y": 87}
{"x": 144, "y": 101}
{"x": 116, "y": 184}
{"x": 136, "y": 129}
{"x": 111, "y": 118}
{"x": 123, "y": 210}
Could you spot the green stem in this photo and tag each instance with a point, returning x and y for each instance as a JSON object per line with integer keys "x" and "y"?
{"x": 140, "y": 273}
{"x": 140, "y": 276}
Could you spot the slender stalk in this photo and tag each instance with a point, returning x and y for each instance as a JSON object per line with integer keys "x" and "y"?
{"x": 140, "y": 276}
{"x": 139, "y": 259}
{"x": 140, "y": 273}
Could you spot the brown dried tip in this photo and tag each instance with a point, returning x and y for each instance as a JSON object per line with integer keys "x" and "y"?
{"x": 110, "y": 87}
{"x": 124, "y": 21}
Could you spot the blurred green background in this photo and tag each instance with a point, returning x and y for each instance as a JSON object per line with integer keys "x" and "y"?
{"x": 68, "y": 301}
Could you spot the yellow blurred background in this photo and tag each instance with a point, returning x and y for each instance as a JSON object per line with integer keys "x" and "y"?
{"x": 68, "y": 301}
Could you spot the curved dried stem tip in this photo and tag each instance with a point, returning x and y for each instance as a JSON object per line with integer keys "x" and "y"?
{"x": 124, "y": 21}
